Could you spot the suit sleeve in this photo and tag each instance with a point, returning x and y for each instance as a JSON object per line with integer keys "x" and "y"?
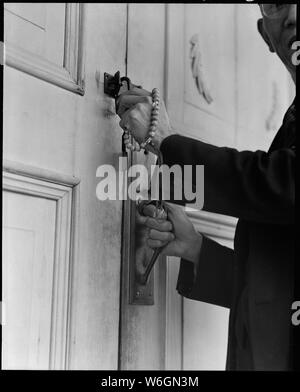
{"x": 213, "y": 280}
{"x": 254, "y": 186}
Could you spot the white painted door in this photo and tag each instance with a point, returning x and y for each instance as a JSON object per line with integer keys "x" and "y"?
{"x": 62, "y": 246}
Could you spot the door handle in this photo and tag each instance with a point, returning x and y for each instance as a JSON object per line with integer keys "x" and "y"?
{"x": 114, "y": 83}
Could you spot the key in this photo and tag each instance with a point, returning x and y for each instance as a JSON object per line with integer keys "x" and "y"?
{"x": 160, "y": 213}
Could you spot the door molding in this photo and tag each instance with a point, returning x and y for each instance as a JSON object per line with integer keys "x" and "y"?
{"x": 214, "y": 225}
{"x": 28, "y": 180}
{"x": 38, "y": 173}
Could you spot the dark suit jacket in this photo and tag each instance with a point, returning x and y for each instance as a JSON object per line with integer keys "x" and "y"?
{"x": 259, "y": 189}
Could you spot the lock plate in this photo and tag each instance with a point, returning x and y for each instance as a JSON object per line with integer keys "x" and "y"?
{"x": 139, "y": 294}
{"x": 136, "y": 255}
{"x": 112, "y": 84}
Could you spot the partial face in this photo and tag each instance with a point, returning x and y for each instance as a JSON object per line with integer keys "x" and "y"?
{"x": 280, "y": 22}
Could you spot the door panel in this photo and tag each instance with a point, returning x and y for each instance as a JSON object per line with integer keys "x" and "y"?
{"x": 46, "y": 41}
{"x": 36, "y": 259}
{"x": 216, "y": 54}
{"x": 28, "y": 254}
{"x": 32, "y": 13}
{"x": 190, "y": 112}
{"x": 37, "y": 28}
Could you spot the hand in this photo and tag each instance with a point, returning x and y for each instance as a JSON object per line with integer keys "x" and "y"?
{"x": 177, "y": 234}
{"x": 134, "y": 108}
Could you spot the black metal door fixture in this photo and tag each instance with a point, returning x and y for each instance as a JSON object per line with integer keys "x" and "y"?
{"x": 113, "y": 84}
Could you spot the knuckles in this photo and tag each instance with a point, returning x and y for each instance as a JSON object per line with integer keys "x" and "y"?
{"x": 124, "y": 99}
{"x": 133, "y": 115}
{"x": 160, "y": 236}
{"x": 163, "y": 226}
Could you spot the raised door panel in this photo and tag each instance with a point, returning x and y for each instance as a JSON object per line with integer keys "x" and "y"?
{"x": 45, "y": 40}
{"x": 214, "y": 52}
{"x": 201, "y": 52}
{"x": 36, "y": 267}
{"x": 37, "y": 28}
{"x": 28, "y": 255}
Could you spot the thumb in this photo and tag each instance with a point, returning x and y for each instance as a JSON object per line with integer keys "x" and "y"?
{"x": 142, "y": 220}
{"x": 149, "y": 210}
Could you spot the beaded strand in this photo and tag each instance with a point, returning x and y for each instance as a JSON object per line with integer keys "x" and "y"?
{"x": 160, "y": 210}
{"x": 152, "y": 128}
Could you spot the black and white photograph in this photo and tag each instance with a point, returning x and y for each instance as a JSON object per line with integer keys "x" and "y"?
{"x": 148, "y": 185}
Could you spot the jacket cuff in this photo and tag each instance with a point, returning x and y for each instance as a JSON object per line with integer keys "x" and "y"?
{"x": 168, "y": 145}
{"x": 186, "y": 278}
{"x": 212, "y": 280}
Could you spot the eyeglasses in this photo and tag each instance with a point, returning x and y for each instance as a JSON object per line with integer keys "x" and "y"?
{"x": 274, "y": 11}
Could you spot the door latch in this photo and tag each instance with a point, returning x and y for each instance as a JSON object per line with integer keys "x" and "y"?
{"x": 113, "y": 84}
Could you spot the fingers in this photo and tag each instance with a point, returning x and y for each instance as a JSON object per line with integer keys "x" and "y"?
{"x": 158, "y": 239}
{"x": 126, "y": 101}
{"x": 140, "y": 219}
{"x": 136, "y": 91}
{"x": 161, "y": 236}
{"x": 126, "y": 119}
{"x": 160, "y": 233}
{"x": 159, "y": 224}
{"x": 149, "y": 210}
{"x": 155, "y": 244}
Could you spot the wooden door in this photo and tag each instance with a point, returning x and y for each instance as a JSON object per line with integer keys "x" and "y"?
{"x": 62, "y": 246}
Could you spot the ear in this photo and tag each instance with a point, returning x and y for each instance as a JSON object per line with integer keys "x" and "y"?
{"x": 263, "y": 33}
